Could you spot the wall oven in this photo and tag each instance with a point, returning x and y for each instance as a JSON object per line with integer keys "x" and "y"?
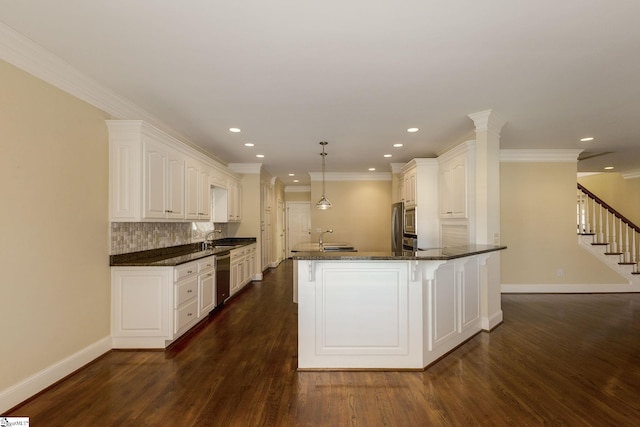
{"x": 409, "y": 245}
{"x": 410, "y": 221}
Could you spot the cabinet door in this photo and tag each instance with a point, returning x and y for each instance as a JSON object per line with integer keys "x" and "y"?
{"x": 459, "y": 188}
{"x": 192, "y": 191}
{"x": 204, "y": 199}
{"x": 175, "y": 186}
{"x": 206, "y": 293}
{"x": 155, "y": 181}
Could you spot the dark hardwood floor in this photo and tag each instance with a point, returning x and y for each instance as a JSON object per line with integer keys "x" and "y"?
{"x": 557, "y": 360}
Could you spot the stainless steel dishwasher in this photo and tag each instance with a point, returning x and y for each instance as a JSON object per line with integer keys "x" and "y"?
{"x": 223, "y": 270}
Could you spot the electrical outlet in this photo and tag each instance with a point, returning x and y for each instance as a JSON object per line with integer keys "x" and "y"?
{"x": 560, "y": 272}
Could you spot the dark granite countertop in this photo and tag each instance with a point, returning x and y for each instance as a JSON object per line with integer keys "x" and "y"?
{"x": 436, "y": 254}
{"x": 176, "y": 255}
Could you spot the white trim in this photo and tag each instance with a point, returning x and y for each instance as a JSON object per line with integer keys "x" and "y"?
{"x": 37, "y": 382}
{"x": 297, "y": 189}
{"x": 351, "y": 176}
{"x": 244, "y": 168}
{"x": 396, "y": 167}
{"x": 635, "y": 173}
{"x": 569, "y": 288}
{"x": 23, "y": 53}
{"x": 488, "y": 323}
{"x": 540, "y": 155}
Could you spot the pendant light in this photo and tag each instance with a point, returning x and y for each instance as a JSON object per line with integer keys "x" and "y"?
{"x": 324, "y": 203}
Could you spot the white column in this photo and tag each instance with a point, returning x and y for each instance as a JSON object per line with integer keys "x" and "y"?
{"x": 487, "y": 210}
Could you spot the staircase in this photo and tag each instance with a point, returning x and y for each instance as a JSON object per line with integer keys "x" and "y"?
{"x": 608, "y": 234}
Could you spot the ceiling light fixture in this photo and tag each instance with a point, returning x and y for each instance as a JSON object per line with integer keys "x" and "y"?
{"x": 323, "y": 203}
{"x": 292, "y": 174}
{"x": 260, "y": 155}
{"x": 608, "y": 168}
{"x": 234, "y": 130}
{"x": 372, "y": 169}
{"x": 412, "y": 130}
{"x": 249, "y": 144}
{"x": 589, "y": 138}
{"x": 398, "y": 145}
{"x": 387, "y": 155}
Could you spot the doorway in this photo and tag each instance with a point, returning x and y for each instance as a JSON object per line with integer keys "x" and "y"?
{"x": 298, "y": 218}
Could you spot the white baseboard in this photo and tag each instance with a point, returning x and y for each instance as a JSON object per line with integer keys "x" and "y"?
{"x": 570, "y": 289}
{"x": 488, "y": 323}
{"x": 37, "y": 382}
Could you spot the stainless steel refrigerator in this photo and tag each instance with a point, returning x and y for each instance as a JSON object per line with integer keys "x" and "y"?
{"x": 397, "y": 227}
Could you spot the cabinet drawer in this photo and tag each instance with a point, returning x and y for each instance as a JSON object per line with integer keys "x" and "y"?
{"x": 206, "y": 264}
{"x": 185, "y": 291}
{"x": 237, "y": 253}
{"x": 185, "y": 270}
{"x": 185, "y": 315}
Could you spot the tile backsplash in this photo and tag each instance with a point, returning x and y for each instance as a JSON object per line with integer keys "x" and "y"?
{"x": 140, "y": 236}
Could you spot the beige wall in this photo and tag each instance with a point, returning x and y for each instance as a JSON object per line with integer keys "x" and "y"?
{"x": 54, "y": 257}
{"x": 621, "y": 194}
{"x": 294, "y": 196}
{"x": 361, "y": 213}
{"x": 538, "y": 225}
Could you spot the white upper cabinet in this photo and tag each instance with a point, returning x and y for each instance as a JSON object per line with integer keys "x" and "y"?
{"x": 154, "y": 177}
{"x": 198, "y": 192}
{"x": 164, "y": 182}
{"x": 454, "y": 182}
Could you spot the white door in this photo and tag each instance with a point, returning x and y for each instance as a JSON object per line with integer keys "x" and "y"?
{"x": 298, "y": 224}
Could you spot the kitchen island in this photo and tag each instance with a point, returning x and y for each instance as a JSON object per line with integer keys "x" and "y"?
{"x": 374, "y": 310}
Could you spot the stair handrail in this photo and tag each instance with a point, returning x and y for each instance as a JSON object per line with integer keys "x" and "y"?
{"x": 609, "y": 208}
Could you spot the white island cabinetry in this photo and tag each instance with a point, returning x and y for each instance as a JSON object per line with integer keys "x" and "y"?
{"x": 358, "y": 313}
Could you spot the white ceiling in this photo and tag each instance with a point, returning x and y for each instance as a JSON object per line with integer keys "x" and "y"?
{"x": 358, "y": 73}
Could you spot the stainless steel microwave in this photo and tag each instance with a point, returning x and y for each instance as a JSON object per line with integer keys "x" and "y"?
{"x": 410, "y": 221}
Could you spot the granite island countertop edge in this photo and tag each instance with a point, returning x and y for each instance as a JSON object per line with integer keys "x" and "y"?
{"x": 435, "y": 254}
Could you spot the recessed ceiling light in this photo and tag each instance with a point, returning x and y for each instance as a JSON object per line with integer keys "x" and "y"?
{"x": 234, "y": 130}
{"x": 608, "y": 168}
{"x": 249, "y": 144}
{"x": 260, "y": 155}
{"x": 397, "y": 145}
{"x": 372, "y": 169}
{"x": 387, "y": 155}
{"x": 589, "y": 138}
{"x": 292, "y": 174}
{"x": 296, "y": 180}
{"x": 412, "y": 130}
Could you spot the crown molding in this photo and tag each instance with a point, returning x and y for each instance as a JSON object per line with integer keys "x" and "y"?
{"x": 635, "y": 173}
{"x": 396, "y": 167}
{"x": 351, "y": 176}
{"x": 297, "y": 189}
{"x": 245, "y": 168}
{"x": 540, "y": 155}
{"x": 32, "y": 58}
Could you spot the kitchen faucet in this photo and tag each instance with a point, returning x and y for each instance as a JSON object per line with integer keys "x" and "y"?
{"x": 208, "y": 240}
{"x": 320, "y": 243}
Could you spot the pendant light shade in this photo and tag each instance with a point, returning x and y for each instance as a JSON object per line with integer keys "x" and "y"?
{"x": 323, "y": 203}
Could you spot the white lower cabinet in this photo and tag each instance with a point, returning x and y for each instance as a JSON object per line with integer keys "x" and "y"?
{"x": 243, "y": 261}
{"x": 153, "y": 306}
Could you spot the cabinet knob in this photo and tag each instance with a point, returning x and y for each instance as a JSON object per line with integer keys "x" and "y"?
{"x": 189, "y": 314}
{"x": 189, "y": 291}
{"x": 189, "y": 271}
